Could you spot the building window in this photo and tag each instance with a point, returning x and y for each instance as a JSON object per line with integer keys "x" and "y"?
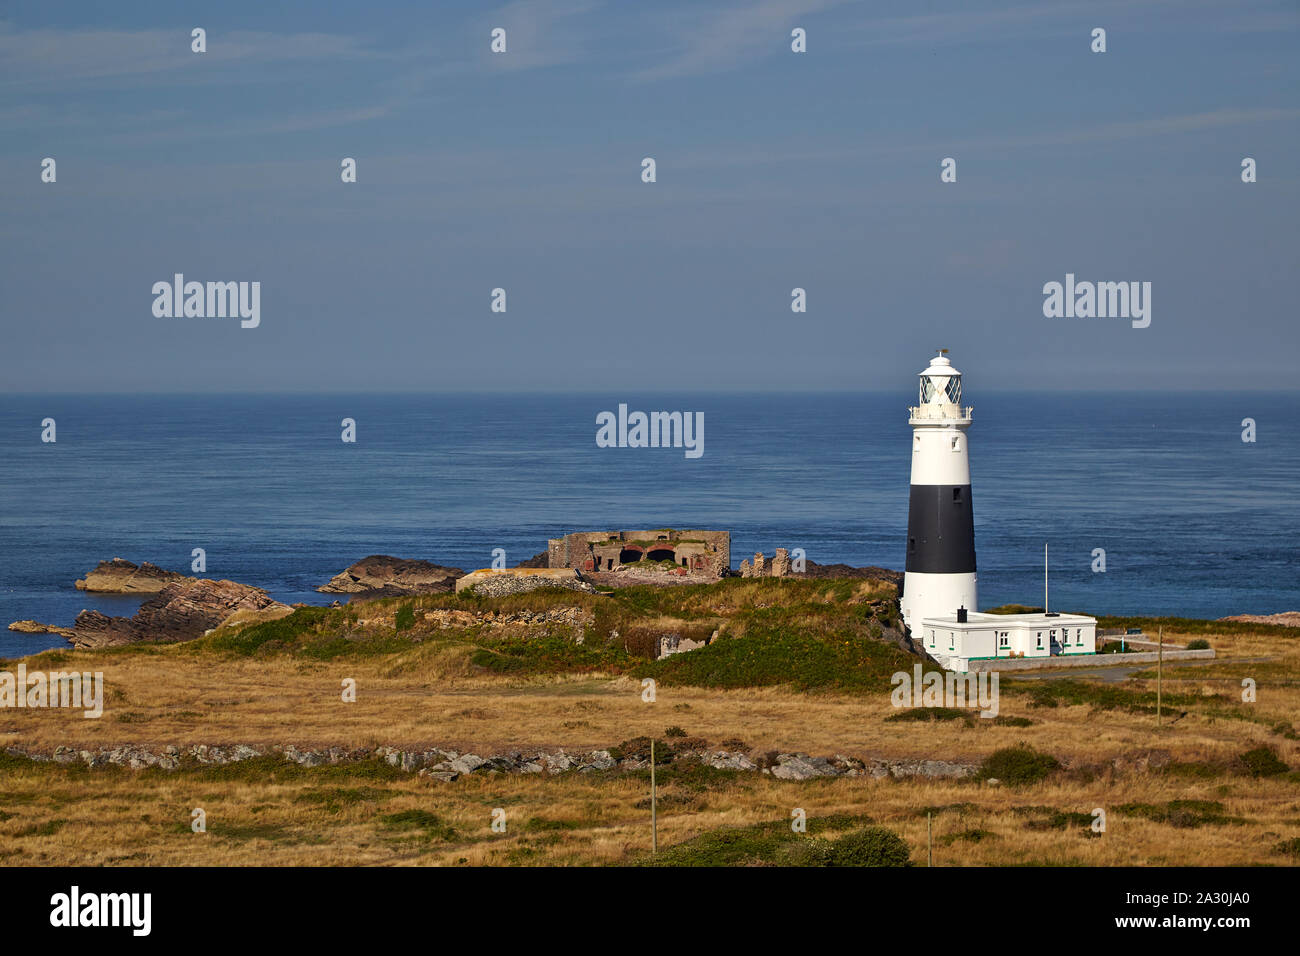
{"x": 956, "y": 443}
{"x": 1040, "y": 638}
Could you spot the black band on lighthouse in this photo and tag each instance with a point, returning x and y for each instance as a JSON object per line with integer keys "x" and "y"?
{"x": 940, "y": 530}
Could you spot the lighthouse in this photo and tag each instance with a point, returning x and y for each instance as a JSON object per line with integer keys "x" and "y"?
{"x": 939, "y": 579}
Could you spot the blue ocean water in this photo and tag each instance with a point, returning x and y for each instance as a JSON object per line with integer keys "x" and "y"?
{"x": 1194, "y": 521}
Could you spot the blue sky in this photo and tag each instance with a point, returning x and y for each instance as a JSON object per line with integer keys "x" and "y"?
{"x": 775, "y": 170}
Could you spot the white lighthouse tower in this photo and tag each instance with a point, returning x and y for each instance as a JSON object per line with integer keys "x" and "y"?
{"x": 940, "y": 571}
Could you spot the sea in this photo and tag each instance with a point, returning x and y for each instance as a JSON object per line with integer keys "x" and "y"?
{"x": 1193, "y": 521}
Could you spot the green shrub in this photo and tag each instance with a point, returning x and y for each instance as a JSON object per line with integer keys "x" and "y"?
{"x": 1018, "y": 765}
{"x": 1290, "y": 847}
{"x": 1261, "y": 762}
{"x": 874, "y": 846}
{"x": 405, "y": 617}
{"x": 1200, "y": 644}
{"x": 1185, "y": 814}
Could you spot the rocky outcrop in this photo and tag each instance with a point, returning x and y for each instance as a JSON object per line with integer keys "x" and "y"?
{"x": 120, "y": 576}
{"x": 381, "y": 575}
{"x": 492, "y": 583}
{"x": 180, "y": 612}
{"x": 446, "y": 766}
{"x": 814, "y": 570}
{"x": 1286, "y": 618}
{"x": 35, "y": 627}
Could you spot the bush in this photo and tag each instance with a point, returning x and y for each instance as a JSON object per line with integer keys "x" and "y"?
{"x": 1261, "y": 762}
{"x": 405, "y": 617}
{"x": 1200, "y": 644}
{"x": 874, "y": 846}
{"x": 1018, "y": 765}
{"x": 1290, "y": 847}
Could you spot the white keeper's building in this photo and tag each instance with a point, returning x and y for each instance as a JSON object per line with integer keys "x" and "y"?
{"x": 939, "y": 585}
{"x": 955, "y": 642}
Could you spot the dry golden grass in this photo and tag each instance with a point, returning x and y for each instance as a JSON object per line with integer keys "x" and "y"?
{"x": 98, "y": 818}
{"x": 431, "y": 695}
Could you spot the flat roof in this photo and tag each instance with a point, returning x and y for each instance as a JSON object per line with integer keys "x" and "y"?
{"x": 1029, "y": 620}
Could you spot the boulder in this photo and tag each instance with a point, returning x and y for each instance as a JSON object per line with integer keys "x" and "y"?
{"x": 180, "y": 612}
{"x": 803, "y": 767}
{"x": 381, "y": 575}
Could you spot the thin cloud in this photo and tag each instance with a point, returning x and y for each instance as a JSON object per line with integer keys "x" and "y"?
{"x": 47, "y": 56}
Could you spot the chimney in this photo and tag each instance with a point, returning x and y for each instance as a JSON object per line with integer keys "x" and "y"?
{"x": 961, "y": 614}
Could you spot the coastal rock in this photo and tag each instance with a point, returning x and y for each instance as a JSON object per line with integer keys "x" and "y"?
{"x": 120, "y": 576}
{"x": 180, "y": 612}
{"x": 381, "y": 575}
{"x": 814, "y": 570}
{"x": 35, "y": 627}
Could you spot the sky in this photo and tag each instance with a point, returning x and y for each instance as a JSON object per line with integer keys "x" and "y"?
{"x": 522, "y": 170}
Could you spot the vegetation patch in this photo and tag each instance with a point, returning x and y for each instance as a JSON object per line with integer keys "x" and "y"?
{"x": 931, "y": 714}
{"x": 1261, "y": 762}
{"x": 973, "y": 835}
{"x": 48, "y": 828}
{"x": 418, "y": 823}
{"x": 1193, "y": 769}
{"x": 335, "y": 799}
{"x": 1070, "y": 692}
{"x": 840, "y": 657}
{"x": 1017, "y": 765}
{"x": 1185, "y": 814}
{"x": 549, "y": 654}
{"x": 1289, "y": 847}
{"x": 775, "y": 844}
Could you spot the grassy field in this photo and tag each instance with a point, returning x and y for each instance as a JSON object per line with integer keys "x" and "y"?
{"x": 798, "y": 666}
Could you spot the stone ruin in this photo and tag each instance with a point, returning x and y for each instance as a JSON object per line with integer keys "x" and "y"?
{"x": 706, "y": 552}
{"x": 760, "y": 568}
